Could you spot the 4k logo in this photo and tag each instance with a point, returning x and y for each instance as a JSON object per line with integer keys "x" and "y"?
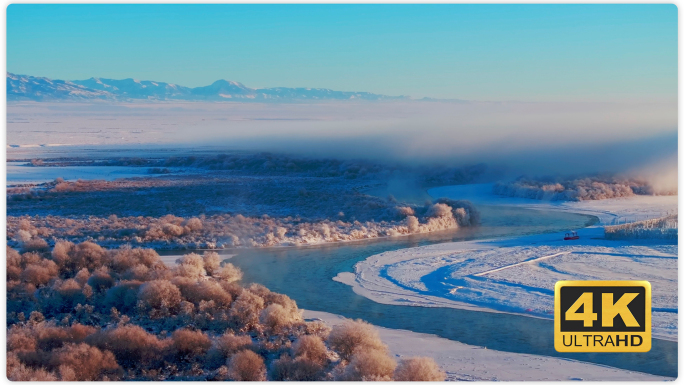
{"x": 602, "y": 316}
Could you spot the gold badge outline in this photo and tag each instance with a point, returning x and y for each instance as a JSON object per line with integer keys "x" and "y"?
{"x": 558, "y": 335}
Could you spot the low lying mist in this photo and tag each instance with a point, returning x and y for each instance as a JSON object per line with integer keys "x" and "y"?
{"x": 661, "y": 175}
{"x": 511, "y": 137}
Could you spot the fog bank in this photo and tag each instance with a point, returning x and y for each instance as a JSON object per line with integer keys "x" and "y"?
{"x": 530, "y": 138}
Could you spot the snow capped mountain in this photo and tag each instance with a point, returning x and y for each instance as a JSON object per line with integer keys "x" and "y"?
{"x": 224, "y": 89}
{"x": 136, "y": 89}
{"x": 23, "y": 87}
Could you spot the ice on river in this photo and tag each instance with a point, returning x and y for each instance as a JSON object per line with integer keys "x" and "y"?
{"x": 24, "y": 173}
{"x": 517, "y": 275}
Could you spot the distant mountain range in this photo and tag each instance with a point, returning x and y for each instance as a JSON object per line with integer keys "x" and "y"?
{"x": 24, "y": 87}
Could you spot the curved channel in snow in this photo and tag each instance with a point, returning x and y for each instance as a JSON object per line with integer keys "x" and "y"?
{"x": 517, "y": 275}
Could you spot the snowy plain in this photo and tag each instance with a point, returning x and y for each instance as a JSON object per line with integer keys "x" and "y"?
{"x": 517, "y": 275}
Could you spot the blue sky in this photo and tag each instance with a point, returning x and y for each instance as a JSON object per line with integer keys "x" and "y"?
{"x": 475, "y": 52}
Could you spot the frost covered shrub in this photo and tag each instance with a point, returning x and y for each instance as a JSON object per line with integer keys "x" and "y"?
{"x": 87, "y": 255}
{"x": 40, "y": 272}
{"x": 17, "y": 371}
{"x": 464, "y": 211}
{"x": 126, "y": 258}
{"x": 123, "y": 296}
{"x": 306, "y": 362}
{"x": 228, "y": 273}
{"x": 439, "y": 210}
{"x": 52, "y": 337}
{"x": 197, "y": 292}
{"x": 275, "y": 317}
{"x": 21, "y": 339}
{"x": 404, "y": 211}
{"x": 85, "y": 363}
{"x": 193, "y": 224}
{"x": 23, "y": 236}
{"x": 35, "y": 244}
{"x": 172, "y": 230}
{"x": 45, "y": 336}
{"x": 418, "y": 369}
{"x": 246, "y": 366}
{"x": 212, "y": 262}
{"x": 131, "y": 344}
{"x": 69, "y": 294}
{"x": 72, "y": 258}
{"x": 159, "y": 294}
{"x": 188, "y": 343}
{"x": 224, "y": 346}
{"x": 352, "y": 336}
{"x": 287, "y": 368}
{"x": 62, "y": 253}
{"x": 312, "y": 348}
{"x": 82, "y": 276}
{"x": 13, "y": 263}
{"x": 191, "y": 266}
{"x": 318, "y": 329}
{"x": 100, "y": 280}
{"x": 280, "y": 311}
{"x": 245, "y": 310}
{"x": 369, "y": 364}
{"x": 229, "y": 343}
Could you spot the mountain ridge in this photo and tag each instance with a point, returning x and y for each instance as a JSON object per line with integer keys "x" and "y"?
{"x": 26, "y": 87}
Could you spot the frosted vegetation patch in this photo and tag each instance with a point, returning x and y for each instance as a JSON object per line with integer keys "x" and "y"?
{"x": 264, "y": 164}
{"x": 230, "y": 200}
{"x": 79, "y": 312}
{"x": 659, "y": 228}
{"x": 247, "y": 184}
{"x": 581, "y": 189}
{"x": 225, "y": 230}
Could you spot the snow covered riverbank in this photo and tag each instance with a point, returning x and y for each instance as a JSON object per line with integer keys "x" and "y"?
{"x": 464, "y": 362}
{"x": 608, "y": 211}
{"x": 517, "y": 275}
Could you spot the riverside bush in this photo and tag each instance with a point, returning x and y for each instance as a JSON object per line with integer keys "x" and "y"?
{"x": 84, "y": 313}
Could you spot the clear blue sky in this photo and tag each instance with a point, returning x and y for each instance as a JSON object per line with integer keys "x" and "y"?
{"x": 477, "y": 52}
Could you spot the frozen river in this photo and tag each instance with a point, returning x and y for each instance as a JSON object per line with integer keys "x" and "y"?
{"x": 306, "y": 274}
{"x": 22, "y": 172}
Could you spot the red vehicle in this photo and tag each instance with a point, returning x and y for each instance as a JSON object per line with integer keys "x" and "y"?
{"x": 571, "y": 236}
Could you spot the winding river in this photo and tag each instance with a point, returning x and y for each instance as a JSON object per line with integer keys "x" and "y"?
{"x": 305, "y": 274}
